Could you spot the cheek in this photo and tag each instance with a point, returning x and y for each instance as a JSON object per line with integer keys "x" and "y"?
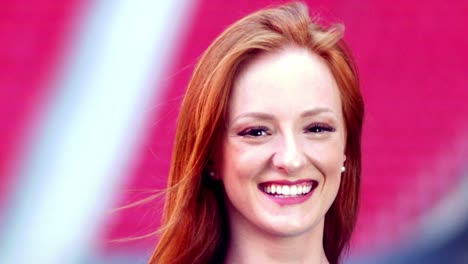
{"x": 328, "y": 156}
{"x": 239, "y": 166}
{"x": 243, "y": 160}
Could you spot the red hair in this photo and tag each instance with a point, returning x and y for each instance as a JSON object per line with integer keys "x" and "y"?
{"x": 194, "y": 227}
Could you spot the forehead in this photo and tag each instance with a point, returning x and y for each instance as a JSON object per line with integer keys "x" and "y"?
{"x": 292, "y": 80}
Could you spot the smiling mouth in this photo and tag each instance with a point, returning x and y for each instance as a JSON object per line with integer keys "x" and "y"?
{"x": 288, "y": 190}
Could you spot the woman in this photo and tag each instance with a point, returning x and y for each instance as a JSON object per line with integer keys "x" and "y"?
{"x": 266, "y": 162}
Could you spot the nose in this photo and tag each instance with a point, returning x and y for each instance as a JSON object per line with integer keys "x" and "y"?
{"x": 289, "y": 156}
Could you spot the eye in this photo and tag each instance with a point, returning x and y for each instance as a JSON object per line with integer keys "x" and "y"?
{"x": 255, "y": 132}
{"x": 320, "y": 128}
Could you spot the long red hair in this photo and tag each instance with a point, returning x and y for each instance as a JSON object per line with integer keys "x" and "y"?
{"x": 194, "y": 226}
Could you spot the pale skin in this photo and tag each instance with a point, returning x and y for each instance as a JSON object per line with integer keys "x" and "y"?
{"x": 284, "y": 125}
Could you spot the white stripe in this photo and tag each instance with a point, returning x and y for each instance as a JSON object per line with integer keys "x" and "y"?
{"x": 90, "y": 130}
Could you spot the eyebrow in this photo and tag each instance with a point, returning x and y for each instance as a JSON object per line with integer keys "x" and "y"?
{"x": 317, "y": 111}
{"x": 266, "y": 116}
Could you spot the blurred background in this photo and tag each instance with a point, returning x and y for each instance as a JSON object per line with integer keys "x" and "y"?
{"x": 90, "y": 91}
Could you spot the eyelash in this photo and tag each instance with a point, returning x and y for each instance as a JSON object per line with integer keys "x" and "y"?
{"x": 263, "y": 131}
{"x": 253, "y": 132}
{"x": 320, "y": 128}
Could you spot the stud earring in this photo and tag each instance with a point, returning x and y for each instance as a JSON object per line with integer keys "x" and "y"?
{"x": 212, "y": 174}
{"x": 343, "y": 168}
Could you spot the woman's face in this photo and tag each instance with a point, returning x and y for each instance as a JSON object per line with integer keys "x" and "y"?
{"x": 283, "y": 149}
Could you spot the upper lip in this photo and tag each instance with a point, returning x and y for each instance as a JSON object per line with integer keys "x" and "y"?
{"x": 286, "y": 182}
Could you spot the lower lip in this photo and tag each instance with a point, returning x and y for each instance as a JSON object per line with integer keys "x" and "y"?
{"x": 290, "y": 200}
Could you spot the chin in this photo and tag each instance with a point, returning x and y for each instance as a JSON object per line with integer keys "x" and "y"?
{"x": 288, "y": 228}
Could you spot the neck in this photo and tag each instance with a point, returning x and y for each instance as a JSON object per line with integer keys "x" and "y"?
{"x": 248, "y": 244}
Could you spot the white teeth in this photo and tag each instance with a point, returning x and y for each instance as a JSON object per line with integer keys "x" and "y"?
{"x": 288, "y": 190}
{"x": 279, "y": 189}
{"x": 294, "y": 190}
{"x": 299, "y": 189}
